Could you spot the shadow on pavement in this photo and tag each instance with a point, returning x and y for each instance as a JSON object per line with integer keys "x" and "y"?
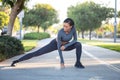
{"x": 91, "y": 72}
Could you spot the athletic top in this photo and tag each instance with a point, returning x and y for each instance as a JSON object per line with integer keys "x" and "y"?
{"x": 71, "y": 38}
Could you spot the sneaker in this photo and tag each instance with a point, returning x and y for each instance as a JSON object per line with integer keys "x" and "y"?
{"x": 79, "y": 65}
{"x": 14, "y": 62}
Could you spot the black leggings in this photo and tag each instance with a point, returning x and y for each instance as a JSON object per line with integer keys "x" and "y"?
{"x": 51, "y": 47}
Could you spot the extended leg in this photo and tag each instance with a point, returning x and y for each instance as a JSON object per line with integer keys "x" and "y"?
{"x": 46, "y": 49}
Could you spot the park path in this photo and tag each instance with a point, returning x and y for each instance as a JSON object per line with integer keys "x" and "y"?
{"x": 100, "y": 64}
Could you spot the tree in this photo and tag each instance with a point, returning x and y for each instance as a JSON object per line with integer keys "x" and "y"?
{"x": 88, "y": 16}
{"x": 42, "y": 15}
{"x": 105, "y": 28}
{"x": 119, "y": 14}
{"x": 118, "y": 23}
{"x": 16, "y": 7}
{"x": 118, "y": 27}
{"x": 77, "y": 18}
{"x": 5, "y": 9}
{"x": 4, "y": 18}
{"x": 16, "y": 25}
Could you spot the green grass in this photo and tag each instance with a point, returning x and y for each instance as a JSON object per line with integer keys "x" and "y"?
{"x": 115, "y": 47}
{"x": 89, "y": 41}
{"x": 29, "y": 44}
{"x": 107, "y": 45}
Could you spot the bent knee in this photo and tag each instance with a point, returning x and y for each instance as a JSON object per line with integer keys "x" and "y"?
{"x": 78, "y": 44}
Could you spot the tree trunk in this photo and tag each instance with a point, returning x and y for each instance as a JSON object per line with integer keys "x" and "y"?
{"x": 38, "y": 28}
{"x": 82, "y": 34}
{"x": 90, "y": 34}
{"x": 16, "y": 9}
{"x": 78, "y": 34}
{"x": 44, "y": 29}
{"x": 11, "y": 21}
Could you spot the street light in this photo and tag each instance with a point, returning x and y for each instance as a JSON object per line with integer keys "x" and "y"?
{"x": 21, "y": 15}
{"x": 115, "y": 22}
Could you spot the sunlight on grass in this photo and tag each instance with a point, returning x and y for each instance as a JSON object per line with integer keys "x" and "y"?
{"x": 107, "y": 45}
{"x": 29, "y": 44}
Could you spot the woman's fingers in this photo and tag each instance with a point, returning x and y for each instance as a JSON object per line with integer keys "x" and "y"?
{"x": 62, "y": 48}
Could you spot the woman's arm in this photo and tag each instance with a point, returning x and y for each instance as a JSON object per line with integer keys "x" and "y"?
{"x": 74, "y": 40}
{"x": 59, "y": 43}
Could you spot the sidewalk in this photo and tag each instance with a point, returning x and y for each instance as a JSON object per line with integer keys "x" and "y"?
{"x": 102, "y": 55}
{"x": 97, "y": 63}
{"x": 108, "y": 40}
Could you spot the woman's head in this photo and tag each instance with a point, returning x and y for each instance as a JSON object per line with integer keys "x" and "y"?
{"x": 68, "y": 24}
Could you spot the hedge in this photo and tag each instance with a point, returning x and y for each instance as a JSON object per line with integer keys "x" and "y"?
{"x": 9, "y": 47}
{"x": 36, "y": 36}
{"x": 118, "y": 35}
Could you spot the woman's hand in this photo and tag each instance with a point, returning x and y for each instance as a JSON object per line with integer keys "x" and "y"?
{"x": 62, "y": 65}
{"x": 63, "y": 43}
{"x": 62, "y": 48}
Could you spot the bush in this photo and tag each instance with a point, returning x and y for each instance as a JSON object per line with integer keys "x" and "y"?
{"x": 99, "y": 36}
{"x": 118, "y": 35}
{"x": 36, "y": 36}
{"x": 9, "y": 47}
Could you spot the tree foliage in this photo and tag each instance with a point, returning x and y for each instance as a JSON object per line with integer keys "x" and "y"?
{"x": 118, "y": 29}
{"x": 42, "y": 15}
{"x": 119, "y": 14}
{"x": 89, "y": 15}
{"x": 16, "y": 25}
{"x": 16, "y": 8}
{"x": 4, "y": 18}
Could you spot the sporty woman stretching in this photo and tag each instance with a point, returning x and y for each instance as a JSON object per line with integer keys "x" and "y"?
{"x": 63, "y": 42}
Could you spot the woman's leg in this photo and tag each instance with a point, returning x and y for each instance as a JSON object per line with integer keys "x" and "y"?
{"x": 46, "y": 49}
{"x": 78, "y": 48}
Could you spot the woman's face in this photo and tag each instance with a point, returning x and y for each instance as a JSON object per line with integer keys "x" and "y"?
{"x": 67, "y": 27}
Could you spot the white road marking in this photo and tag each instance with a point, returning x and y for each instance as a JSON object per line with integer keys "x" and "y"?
{"x": 101, "y": 61}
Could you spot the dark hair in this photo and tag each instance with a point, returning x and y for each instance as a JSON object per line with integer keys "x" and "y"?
{"x": 69, "y": 21}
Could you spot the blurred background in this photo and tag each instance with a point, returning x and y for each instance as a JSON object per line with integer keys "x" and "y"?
{"x": 94, "y": 19}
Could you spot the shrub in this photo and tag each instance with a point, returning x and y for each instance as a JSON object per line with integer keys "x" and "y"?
{"x": 9, "y": 47}
{"x": 36, "y": 36}
{"x": 118, "y": 35}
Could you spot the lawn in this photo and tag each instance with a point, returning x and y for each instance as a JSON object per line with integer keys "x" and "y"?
{"x": 107, "y": 45}
{"x": 29, "y": 44}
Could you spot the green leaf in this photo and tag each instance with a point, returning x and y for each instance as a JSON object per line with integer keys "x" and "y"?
{"x": 8, "y": 2}
{"x": 11, "y": 3}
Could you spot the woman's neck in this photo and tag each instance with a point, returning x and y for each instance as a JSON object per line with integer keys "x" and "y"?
{"x": 67, "y": 32}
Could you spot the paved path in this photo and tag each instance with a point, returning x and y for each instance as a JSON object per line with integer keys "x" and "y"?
{"x": 101, "y": 64}
{"x": 108, "y": 39}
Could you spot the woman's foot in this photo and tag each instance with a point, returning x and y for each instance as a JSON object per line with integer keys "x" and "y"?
{"x": 79, "y": 65}
{"x": 62, "y": 66}
{"x": 14, "y": 62}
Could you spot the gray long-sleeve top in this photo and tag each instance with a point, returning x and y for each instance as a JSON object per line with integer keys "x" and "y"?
{"x": 63, "y": 37}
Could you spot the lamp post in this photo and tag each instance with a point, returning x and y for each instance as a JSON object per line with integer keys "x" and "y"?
{"x": 21, "y": 15}
{"x": 115, "y": 22}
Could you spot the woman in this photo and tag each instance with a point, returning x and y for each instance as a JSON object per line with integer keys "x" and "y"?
{"x": 61, "y": 43}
